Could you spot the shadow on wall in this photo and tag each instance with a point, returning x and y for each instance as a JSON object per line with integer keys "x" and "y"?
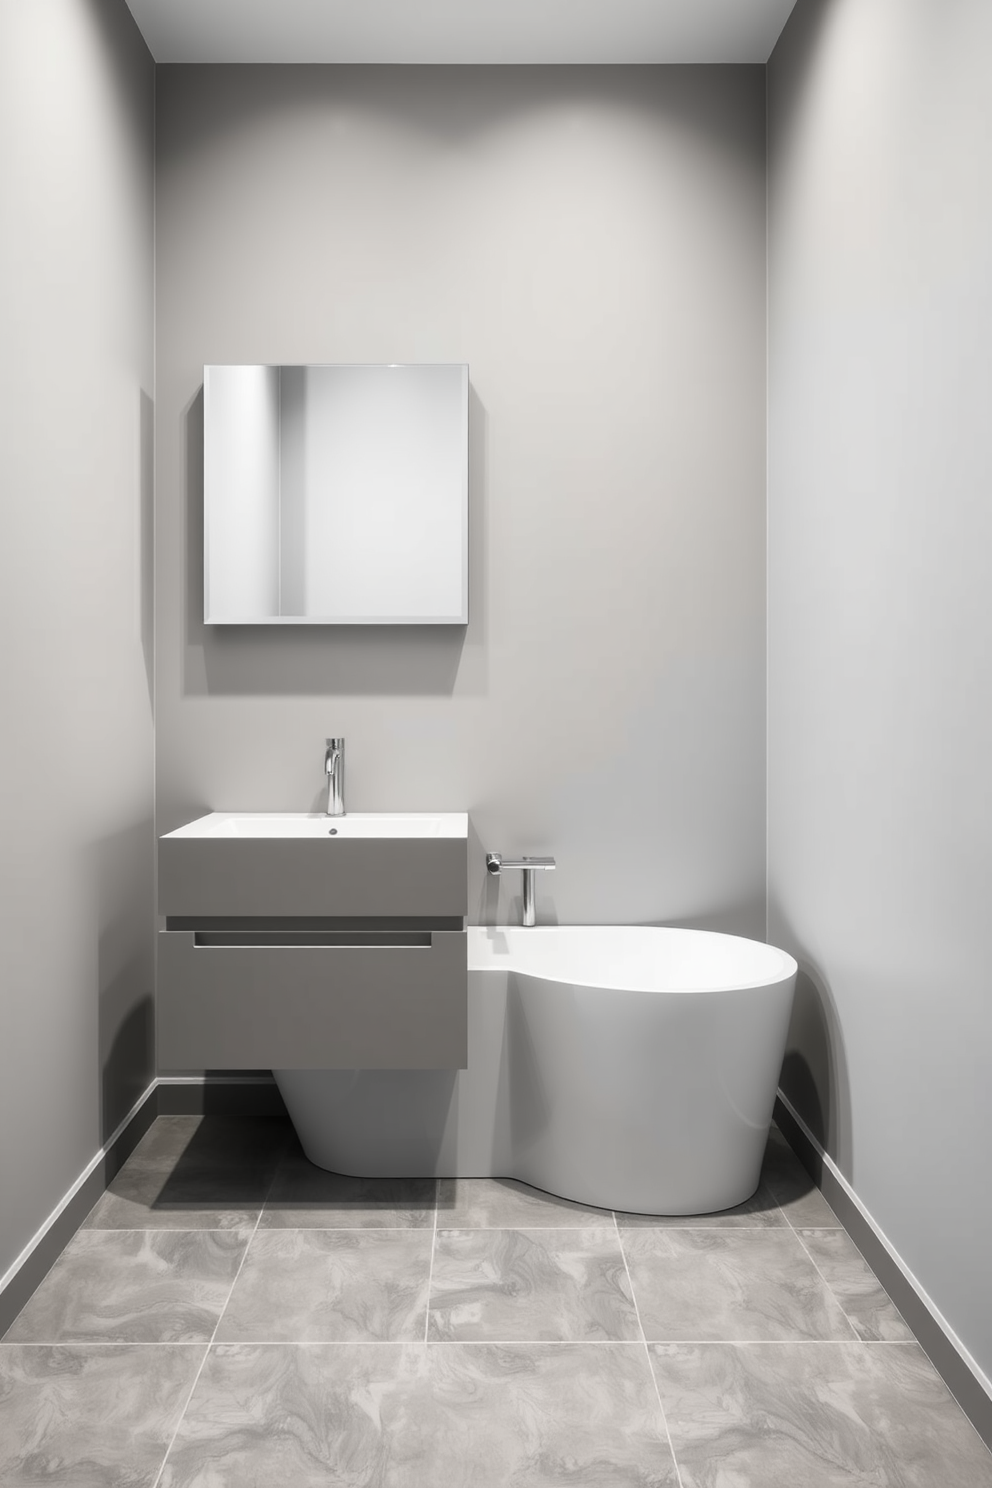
{"x": 743, "y": 918}
{"x": 146, "y": 539}
{"x": 814, "y": 1071}
{"x": 454, "y": 105}
{"x": 122, "y": 871}
{"x": 317, "y": 660}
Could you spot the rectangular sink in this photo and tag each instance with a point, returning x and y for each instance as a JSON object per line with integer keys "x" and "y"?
{"x": 226, "y": 824}
{"x": 236, "y": 865}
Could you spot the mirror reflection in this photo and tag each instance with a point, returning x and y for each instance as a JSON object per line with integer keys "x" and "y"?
{"x": 336, "y": 494}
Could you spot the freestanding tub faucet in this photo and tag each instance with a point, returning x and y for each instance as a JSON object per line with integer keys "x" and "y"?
{"x": 334, "y": 770}
{"x": 495, "y": 863}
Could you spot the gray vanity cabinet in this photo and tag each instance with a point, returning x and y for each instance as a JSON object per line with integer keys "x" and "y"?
{"x": 307, "y": 954}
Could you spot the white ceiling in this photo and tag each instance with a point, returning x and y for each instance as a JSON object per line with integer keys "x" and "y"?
{"x": 461, "y": 31}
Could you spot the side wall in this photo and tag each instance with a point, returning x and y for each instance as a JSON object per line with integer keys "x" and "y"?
{"x": 76, "y": 261}
{"x": 880, "y": 613}
{"x": 591, "y": 242}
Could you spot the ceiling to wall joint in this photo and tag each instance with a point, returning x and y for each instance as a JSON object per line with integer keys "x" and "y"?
{"x": 462, "y": 31}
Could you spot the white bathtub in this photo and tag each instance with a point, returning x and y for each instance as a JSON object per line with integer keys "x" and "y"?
{"x": 631, "y": 1068}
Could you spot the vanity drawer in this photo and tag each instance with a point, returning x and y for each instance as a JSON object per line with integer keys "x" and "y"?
{"x": 250, "y": 876}
{"x": 383, "y": 1004}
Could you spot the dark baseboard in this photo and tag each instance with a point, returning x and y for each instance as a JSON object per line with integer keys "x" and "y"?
{"x": 226, "y": 1096}
{"x": 949, "y": 1364}
{"x": 55, "y": 1239}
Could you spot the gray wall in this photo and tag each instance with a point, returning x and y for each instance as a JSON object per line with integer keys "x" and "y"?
{"x": 76, "y": 137}
{"x": 591, "y": 242}
{"x": 880, "y": 612}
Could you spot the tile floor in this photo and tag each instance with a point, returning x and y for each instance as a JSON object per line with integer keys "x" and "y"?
{"x": 231, "y": 1317}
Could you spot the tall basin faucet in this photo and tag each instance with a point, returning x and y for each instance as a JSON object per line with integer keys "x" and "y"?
{"x": 334, "y": 770}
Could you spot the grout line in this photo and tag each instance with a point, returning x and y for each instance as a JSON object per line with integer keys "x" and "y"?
{"x": 88, "y": 1343}
{"x": 830, "y": 1291}
{"x": 165, "y": 1230}
{"x": 826, "y": 1283}
{"x": 182, "y": 1413}
{"x": 206, "y": 1351}
{"x": 723, "y": 1229}
{"x": 795, "y": 1225}
{"x": 665, "y": 1342}
{"x": 314, "y": 1229}
{"x": 647, "y": 1354}
{"x": 430, "y": 1273}
{"x": 541, "y": 1343}
{"x": 607, "y": 1225}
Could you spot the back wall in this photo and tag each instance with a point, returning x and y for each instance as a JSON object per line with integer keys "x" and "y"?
{"x": 592, "y": 242}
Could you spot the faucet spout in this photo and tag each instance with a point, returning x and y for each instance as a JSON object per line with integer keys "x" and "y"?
{"x": 334, "y": 770}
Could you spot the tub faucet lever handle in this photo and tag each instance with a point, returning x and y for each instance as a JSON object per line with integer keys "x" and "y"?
{"x": 495, "y": 863}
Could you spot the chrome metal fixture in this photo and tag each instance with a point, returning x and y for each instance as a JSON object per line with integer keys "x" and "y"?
{"x": 334, "y": 770}
{"x": 495, "y": 863}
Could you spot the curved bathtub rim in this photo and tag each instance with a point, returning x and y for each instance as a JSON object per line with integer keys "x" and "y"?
{"x": 614, "y": 981}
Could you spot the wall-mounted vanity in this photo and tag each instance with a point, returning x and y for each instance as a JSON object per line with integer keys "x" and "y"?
{"x": 336, "y": 494}
{"x": 304, "y": 942}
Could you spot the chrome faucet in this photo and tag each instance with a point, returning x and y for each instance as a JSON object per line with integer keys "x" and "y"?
{"x": 495, "y": 863}
{"x": 334, "y": 770}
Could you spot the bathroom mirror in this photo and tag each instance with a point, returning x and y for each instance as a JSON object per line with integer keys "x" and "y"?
{"x": 335, "y": 495}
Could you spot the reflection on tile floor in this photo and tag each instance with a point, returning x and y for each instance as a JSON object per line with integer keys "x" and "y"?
{"x": 400, "y": 1333}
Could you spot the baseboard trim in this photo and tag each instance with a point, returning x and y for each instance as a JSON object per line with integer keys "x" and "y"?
{"x": 47, "y": 1244}
{"x": 165, "y": 1096}
{"x": 961, "y": 1373}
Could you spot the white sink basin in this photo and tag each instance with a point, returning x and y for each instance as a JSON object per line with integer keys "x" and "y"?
{"x": 220, "y": 824}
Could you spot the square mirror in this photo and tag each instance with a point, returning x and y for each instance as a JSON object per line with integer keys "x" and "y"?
{"x": 335, "y": 494}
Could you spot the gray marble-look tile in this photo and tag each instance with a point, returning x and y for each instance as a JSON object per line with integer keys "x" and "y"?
{"x": 869, "y": 1309}
{"x": 760, "y": 1211}
{"x": 790, "y": 1185}
{"x": 305, "y": 1196}
{"x": 156, "y": 1195}
{"x": 504, "y": 1204}
{"x": 826, "y": 1415}
{"x": 729, "y": 1284}
{"x": 90, "y": 1417}
{"x": 530, "y": 1284}
{"x": 324, "y": 1286}
{"x": 134, "y": 1286}
{"x": 484, "y": 1415}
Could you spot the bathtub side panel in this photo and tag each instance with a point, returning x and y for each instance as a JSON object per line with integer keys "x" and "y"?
{"x": 657, "y": 1103}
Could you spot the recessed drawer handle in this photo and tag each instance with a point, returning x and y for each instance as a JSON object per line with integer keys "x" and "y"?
{"x": 330, "y": 939}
